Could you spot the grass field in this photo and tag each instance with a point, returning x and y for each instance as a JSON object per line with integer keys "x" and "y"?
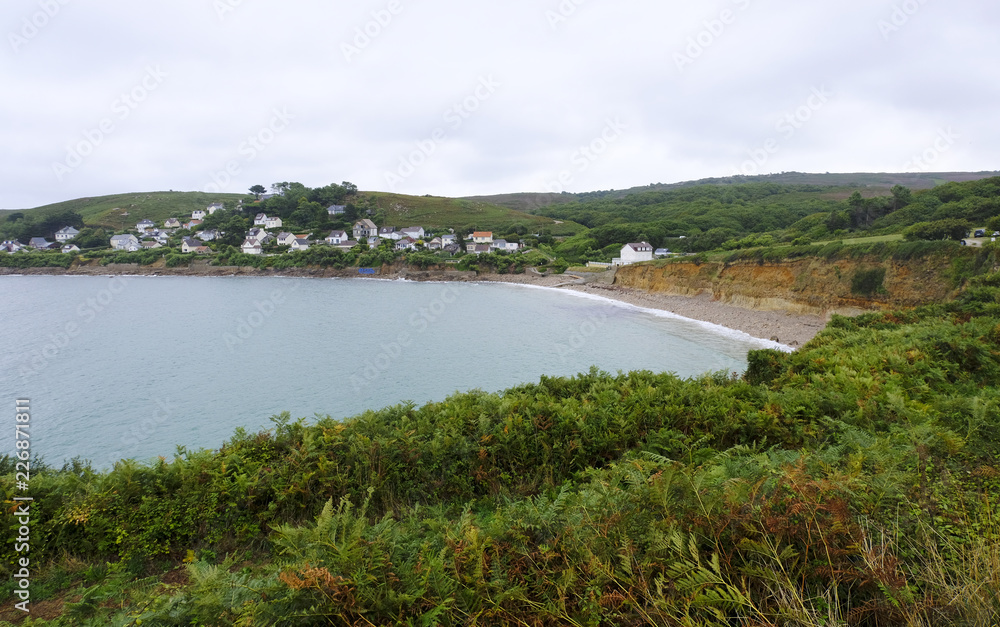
{"x": 156, "y": 206}
{"x": 896, "y": 237}
{"x": 402, "y": 210}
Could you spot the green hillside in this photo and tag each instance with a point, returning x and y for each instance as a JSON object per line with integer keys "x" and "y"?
{"x": 109, "y": 210}
{"x": 438, "y": 211}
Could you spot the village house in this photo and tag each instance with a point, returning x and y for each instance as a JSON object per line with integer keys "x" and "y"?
{"x": 435, "y": 244}
{"x": 11, "y": 246}
{"x": 172, "y": 223}
{"x": 70, "y": 248}
{"x": 482, "y": 237}
{"x": 452, "y": 249}
{"x": 502, "y": 244}
{"x": 127, "y": 242}
{"x": 634, "y": 253}
{"x": 365, "y": 228}
{"x": 145, "y": 225}
{"x": 286, "y": 239}
{"x": 389, "y": 232}
{"x": 151, "y": 244}
{"x": 262, "y": 236}
{"x": 373, "y": 242}
{"x": 347, "y": 244}
{"x": 260, "y": 219}
{"x": 449, "y": 238}
{"x": 336, "y": 210}
{"x": 198, "y": 214}
{"x": 190, "y": 224}
{"x": 274, "y": 222}
{"x": 207, "y": 236}
{"x": 478, "y": 249}
{"x": 407, "y": 243}
{"x": 66, "y": 233}
{"x": 300, "y": 244}
{"x": 416, "y": 232}
{"x": 215, "y": 206}
{"x": 336, "y": 237}
{"x": 191, "y": 245}
{"x": 251, "y": 246}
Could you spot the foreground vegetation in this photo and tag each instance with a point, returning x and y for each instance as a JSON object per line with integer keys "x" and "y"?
{"x": 854, "y": 482}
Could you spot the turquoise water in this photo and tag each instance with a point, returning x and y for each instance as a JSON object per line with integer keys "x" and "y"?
{"x": 134, "y": 366}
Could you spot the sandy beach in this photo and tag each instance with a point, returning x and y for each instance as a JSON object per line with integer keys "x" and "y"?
{"x": 783, "y": 327}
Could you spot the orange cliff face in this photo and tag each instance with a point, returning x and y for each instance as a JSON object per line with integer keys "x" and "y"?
{"x": 812, "y": 286}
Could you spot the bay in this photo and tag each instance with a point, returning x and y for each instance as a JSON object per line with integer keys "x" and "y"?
{"x": 121, "y": 367}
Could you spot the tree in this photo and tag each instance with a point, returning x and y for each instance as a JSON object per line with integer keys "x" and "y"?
{"x": 937, "y": 230}
{"x": 901, "y": 196}
{"x": 257, "y": 191}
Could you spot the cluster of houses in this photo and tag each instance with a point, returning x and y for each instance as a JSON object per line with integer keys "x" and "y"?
{"x": 149, "y": 236}
{"x": 364, "y": 230}
{"x": 63, "y": 237}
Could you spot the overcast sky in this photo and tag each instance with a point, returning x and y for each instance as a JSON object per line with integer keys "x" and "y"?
{"x": 453, "y": 98}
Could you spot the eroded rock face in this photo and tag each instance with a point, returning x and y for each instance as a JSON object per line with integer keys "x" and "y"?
{"x": 804, "y": 286}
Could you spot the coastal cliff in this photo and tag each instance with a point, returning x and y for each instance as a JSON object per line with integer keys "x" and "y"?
{"x": 810, "y": 286}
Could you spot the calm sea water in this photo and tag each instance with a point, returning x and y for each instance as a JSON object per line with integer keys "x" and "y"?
{"x": 134, "y": 366}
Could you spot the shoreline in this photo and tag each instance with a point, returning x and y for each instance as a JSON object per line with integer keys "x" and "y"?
{"x": 788, "y": 329}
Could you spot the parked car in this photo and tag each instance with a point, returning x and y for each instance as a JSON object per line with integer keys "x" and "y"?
{"x": 980, "y": 233}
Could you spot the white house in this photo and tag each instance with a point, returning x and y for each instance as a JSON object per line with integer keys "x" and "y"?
{"x": 70, "y": 248}
{"x": 336, "y": 237}
{"x": 286, "y": 239}
{"x": 389, "y": 232}
{"x": 416, "y": 232}
{"x": 435, "y": 244}
{"x": 190, "y": 224}
{"x": 502, "y": 244}
{"x": 125, "y": 242}
{"x": 407, "y": 243}
{"x": 274, "y": 222}
{"x": 215, "y": 206}
{"x": 198, "y": 214}
{"x": 634, "y": 253}
{"x": 300, "y": 244}
{"x": 262, "y": 236}
{"x": 365, "y": 228}
{"x": 251, "y": 247}
{"x": 260, "y": 219}
{"x": 145, "y": 225}
{"x": 11, "y": 246}
{"x": 208, "y": 236}
{"x": 335, "y": 210}
{"x": 482, "y": 237}
{"x": 66, "y": 233}
{"x": 478, "y": 249}
{"x": 373, "y": 242}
